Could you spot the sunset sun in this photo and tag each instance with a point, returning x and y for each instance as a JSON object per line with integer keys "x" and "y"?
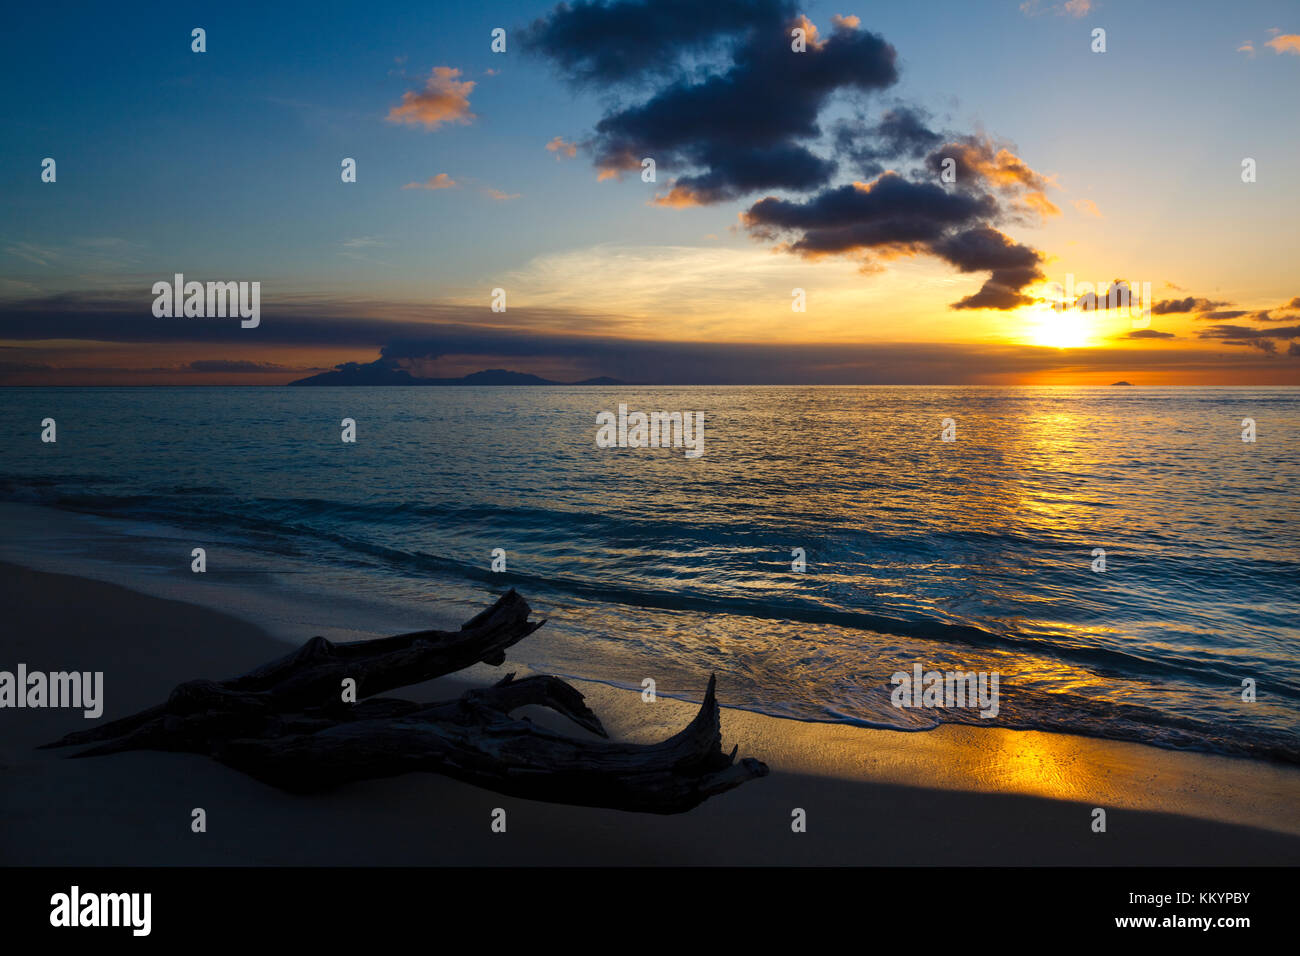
{"x": 1068, "y": 329}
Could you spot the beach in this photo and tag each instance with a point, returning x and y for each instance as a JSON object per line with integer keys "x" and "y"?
{"x": 956, "y": 795}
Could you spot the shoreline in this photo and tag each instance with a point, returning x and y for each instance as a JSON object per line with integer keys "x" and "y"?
{"x": 284, "y": 597}
{"x": 953, "y": 795}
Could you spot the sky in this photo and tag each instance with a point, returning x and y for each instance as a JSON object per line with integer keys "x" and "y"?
{"x": 776, "y": 170}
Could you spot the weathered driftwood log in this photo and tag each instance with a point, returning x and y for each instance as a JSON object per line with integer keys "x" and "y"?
{"x": 285, "y": 724}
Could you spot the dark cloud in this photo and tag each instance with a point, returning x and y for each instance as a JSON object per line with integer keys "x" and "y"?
{"x": 742, "y": 126}
{"x": 1148, "y": 334}
{"x": 892, "y": 211}
{"x": 715, "y": 94}
{"x": 127, "y": 317}
{"x": 1117, "y": 295}
{"x": 1189, "y": 304}
{"x": 230, "y": 365}
{"x": 1266, "y": 315}
{"x": 1262, "y": 339}
{"x": 1012, "y": 266}
{"x": 1212, "y": 311}
{"x": 733, "y": 172}
{"x": 894, "y": 215}
{"x": 602, "y": 43}
{"x": 902, "y": 132}
{"x": 980, "y": 163}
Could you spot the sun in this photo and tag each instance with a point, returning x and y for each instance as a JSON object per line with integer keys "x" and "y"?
{"x": 1067, "y": 329}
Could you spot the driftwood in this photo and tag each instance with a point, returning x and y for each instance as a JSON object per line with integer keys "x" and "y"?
{"x": 285, "y": 724}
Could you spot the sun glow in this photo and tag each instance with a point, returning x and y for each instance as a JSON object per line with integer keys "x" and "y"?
{"x": 1067, "y": 329}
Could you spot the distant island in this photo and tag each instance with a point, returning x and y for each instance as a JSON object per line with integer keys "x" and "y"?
{"x": 1122, "y": 383}
{"x": 354, "y": 373}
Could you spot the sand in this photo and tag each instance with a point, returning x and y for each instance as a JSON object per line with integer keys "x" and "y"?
{"x": 956, "y": 795}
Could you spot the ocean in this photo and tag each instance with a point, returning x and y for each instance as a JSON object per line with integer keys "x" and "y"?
{"x": 976, "y": 554}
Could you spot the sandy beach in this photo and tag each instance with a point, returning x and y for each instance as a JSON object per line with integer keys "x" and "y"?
{"x": 955, "y": 795}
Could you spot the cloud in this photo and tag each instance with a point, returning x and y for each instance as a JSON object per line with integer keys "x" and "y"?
{"x": 441, "y": 181}
{"x": 1266, "y": 315}
{"x": 1147, "y": 334}
{"x": 91, "y": 253}
{"x": 36, "y": 255}
{"x": 893, "y": 216}
{"x": 1118, "y": 295}
{"x": 1247, "y": 48}
{"x": 574, "y": 345}
{"x": 889, "y": 211}
{"x": 499, "y": 195}
{"x": 1212, "y": 311}
{"x": 1071, "y": 8}
{"x": 560, "y": 148}
{"x": 10, "y": 368}
{"x": 626, "y": 40}
{"x": 979, "y": 162}
{"x": 729, "y": 110}
{"x": 901, "y": 132}
{"x": 737, "y": 125}
{"x": 124, "y": 317}
{"x": 1262, "y": 339}
{"x": 444, "y": 99}
{"x": 1012, "y": 266}
{"x": 1188, "y": 304}
{"x": 1285, "y": 43}
{"x": 230, "y": 365}
{"x": 1087, "y": 207}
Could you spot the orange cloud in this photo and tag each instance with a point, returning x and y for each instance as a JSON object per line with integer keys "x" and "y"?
{"x": 614, "y": 165}
{"x": 1005, "y": 171}
{"x": 441, "y": 181}
{"x": 679, "y": 197}
{"x": 809, "y": 30}
{"x": 559, "y": 147}
{"x": 1087, "y": 207}
{"x": 444, "y": 99}
{"x": 1286, "y": 43}
{"x": 498, "y": 194}
{"x": 1071, "y": 8}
